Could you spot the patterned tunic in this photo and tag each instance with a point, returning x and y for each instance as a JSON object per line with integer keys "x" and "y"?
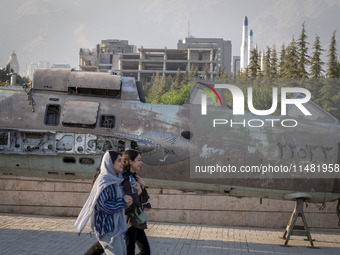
{"x": 107, "y": 205}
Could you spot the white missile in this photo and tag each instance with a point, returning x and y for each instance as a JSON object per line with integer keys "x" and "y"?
{"x": 250, "y": 44}
{"x": 244, "y": 46}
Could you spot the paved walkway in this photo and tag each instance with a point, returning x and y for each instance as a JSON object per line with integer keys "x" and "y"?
{"x": 43, "y": 235}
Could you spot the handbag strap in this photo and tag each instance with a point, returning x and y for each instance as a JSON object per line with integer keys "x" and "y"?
{"x": 138, "y": 210}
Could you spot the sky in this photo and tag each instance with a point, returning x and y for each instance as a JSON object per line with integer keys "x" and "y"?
{"x": 55, "y": 30}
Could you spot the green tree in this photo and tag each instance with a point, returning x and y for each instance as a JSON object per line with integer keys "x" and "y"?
{"x": 338, "y": 69}
{"x": 254, "y": 65}
{"x": 176, "y": 84}
{"x": 22, "y": 80}
{"x": 244, "y": 74}
{"x": 158, "y": 88}
{"x": 273, "y": 63}
{"x": 185, "y": 78}
{"x": 193, "y": 72}
{"x": 332, "y": 71}
{"x": 5, "y": 75}
{"x": 316, "y": 64}
{"x": 291, "y": 68}
{"x": 176, "y": 97}
{"x": 302, "y": 49}
{"x": 221, "y": 74}
{"x": 206, "y": 70}
{"x": 224, "y": 74}
{"x": 262, "y": 98}
{"x": 329, "y": 97}
{"x": 267, "y": 69}
{"x": 282, "y": 63}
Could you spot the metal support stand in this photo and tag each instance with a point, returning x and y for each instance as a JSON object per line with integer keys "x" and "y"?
{"x": 291, "y": 229}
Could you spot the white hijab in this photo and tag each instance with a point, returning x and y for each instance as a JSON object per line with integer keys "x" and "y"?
{"x": 105, "y": 178}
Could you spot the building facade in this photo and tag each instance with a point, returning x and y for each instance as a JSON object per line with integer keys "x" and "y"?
{"x": 220, "y": 50}
{"x": 105, "y": 57}
{"x": 193, "y": 54}
{"x": 150, "y": 61}
{"x": 236, "y": 65}
{"x": 13, "y": 63}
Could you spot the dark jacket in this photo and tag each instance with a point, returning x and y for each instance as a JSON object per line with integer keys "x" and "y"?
{"x": 138, "y": 201}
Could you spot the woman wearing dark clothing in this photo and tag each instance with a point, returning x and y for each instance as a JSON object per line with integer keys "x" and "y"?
{"x": 96, "y": 249}
{"x": 135, "y": 233}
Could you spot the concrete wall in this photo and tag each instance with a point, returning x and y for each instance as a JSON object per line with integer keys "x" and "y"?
{"x": 65, "y": 198}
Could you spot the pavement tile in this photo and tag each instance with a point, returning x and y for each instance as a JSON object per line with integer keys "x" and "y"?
{"x": 45, "y": 235}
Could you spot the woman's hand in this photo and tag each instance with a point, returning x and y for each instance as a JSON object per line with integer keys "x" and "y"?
{"x": 128, "y": 200}
{"x": 138, "y": 188}
{"x": 140, "y": 181}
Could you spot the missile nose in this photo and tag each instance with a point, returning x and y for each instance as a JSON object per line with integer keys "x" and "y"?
{"x": 245, "y": 21}
{"x": 251, "y": 32}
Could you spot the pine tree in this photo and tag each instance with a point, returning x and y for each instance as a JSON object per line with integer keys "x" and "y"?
{"x": 282, "y": 63}
{"x": 329, "y": 97}
{"x": 273, "y": 63}
{"x": 332, "y": 59}
{"x": 291, "y": 68}
{"x": 260, "y": 66}
{"x": 220, "y": 72}
{"x": 254, "y": 65}
{"x": 168, "y": 81}
{"x": 193, "y": 72}
{"x": 267, "y": 69}
{"x": 206, "y": 71}
{"x": 176, "y": 97}
{"x": 225, "y": 75}
{"x": 158, "y": 88}
{"x": 246, "y": 72}
{"x": 147, "y": 86}
{"x": 176, "y": 84}
{"x": 316, "y": 64}
{"x": 338, "y": 69}
{"x": 242, "y": 74}
{"x": 185, "y": 78}
{"x": 303, "y": 58}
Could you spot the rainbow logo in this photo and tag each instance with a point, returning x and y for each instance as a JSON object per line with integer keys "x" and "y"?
{"x": 209, "y": 93}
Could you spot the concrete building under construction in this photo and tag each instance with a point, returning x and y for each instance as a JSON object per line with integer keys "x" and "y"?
{"x": 105, "y": 56}
{"x": 192, "y": 54}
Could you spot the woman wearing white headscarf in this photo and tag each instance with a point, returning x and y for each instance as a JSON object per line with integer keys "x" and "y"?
{"x": 105, "y": 206}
